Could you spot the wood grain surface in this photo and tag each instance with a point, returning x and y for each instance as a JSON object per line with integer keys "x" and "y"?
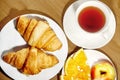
{"x": 56, "y": 9}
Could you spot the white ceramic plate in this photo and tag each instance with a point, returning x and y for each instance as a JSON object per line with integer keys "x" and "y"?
{"x": 94, "y": 56}
{"x": 10, "y": 38}
{"x": 82, "y": 39}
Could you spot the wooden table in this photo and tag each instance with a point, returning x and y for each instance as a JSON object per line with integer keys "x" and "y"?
{"x": 56, "y": 9}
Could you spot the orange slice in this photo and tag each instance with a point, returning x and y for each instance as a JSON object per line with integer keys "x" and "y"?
{"x": 80, "y": 57}
{"x": 71, "y": 67}
{"x": 76, "y": 67}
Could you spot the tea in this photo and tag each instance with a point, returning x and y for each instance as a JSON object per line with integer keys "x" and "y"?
{"x": 91, "y": 19}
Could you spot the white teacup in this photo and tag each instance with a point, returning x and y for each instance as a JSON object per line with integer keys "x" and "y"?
{"x": 101, "y": 7}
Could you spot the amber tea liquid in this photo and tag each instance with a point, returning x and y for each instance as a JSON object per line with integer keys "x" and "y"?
{"x": 91, "y": 19}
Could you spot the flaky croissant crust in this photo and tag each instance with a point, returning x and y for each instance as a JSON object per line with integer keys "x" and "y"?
{"x": 30, "y": 60}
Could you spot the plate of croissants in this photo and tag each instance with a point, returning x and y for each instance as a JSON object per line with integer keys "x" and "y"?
{"x": 32, "y": 47}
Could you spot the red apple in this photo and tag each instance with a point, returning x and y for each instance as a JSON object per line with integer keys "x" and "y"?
{"x": 103, "y": 70}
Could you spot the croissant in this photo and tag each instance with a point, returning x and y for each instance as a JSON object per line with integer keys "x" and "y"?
{"x": 30, "y": 60}
{"x": 22, "y": 21}
{"x": 38, "y": 34}
{"x": 29, "y": 29}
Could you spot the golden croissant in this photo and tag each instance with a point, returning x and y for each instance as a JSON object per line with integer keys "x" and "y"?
{"x": 38, "y": 34}
{"x": 30, "y": 60}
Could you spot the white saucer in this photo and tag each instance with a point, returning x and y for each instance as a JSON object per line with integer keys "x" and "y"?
{"x": 89, "y": 41}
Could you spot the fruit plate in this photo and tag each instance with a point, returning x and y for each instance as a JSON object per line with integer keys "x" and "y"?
{"x": 10, "y": 38}
{"x": 94, "y": 56}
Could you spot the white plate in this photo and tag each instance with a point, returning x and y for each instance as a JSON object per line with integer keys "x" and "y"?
{"x": 94, "y": 56}
{"x": 85, "y": 40}
{"x": 10, "y": 38}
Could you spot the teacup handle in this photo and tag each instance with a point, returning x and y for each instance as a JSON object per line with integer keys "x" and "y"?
{"x": 105, "y": 34}
{"x": 79, "y": 3}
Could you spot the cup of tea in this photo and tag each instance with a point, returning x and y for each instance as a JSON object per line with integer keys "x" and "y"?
{"x": 92, "y": 17}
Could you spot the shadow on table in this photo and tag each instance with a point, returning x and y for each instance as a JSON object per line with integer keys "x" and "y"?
{"x": 14, "y": 13}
